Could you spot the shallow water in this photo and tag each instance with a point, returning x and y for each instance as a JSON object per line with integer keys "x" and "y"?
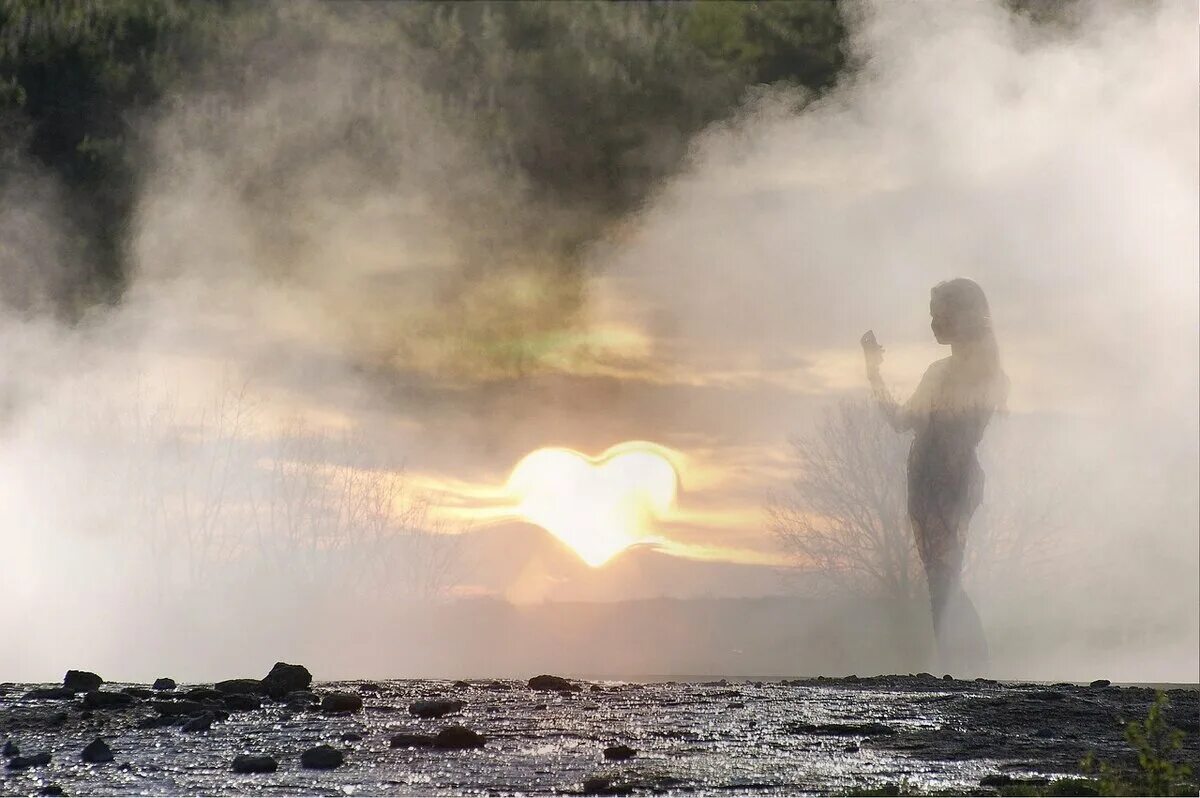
{"x": 709, "y": 738}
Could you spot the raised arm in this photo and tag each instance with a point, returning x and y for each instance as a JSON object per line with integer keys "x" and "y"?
{"x": 899, "y": 417}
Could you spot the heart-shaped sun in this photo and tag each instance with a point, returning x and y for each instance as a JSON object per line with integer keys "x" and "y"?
{"x": 597, "y": 506}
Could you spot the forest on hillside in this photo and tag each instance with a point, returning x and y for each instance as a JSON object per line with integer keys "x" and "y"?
{"x": 584, "y": 106}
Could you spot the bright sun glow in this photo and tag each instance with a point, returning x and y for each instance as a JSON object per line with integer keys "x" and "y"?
{"x": 600, "y": 506}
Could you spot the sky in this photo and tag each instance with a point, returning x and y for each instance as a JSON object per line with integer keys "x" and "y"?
{"x": 302, "y": 315}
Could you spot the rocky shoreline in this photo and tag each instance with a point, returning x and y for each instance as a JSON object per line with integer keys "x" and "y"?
{"x": 281, "y": 732}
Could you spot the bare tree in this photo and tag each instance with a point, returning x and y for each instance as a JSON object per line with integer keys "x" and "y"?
{"x": 844, "y": 521}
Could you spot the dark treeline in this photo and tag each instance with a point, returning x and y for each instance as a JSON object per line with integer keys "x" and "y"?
{"x": 589, "y": 104}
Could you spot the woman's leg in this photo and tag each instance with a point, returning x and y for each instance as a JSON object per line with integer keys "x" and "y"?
{"x": 956, "y": 626}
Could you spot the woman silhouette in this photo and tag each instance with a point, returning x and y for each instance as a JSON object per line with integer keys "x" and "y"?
{"x": 948, "y": 413}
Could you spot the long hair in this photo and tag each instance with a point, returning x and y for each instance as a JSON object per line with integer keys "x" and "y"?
{"x": 973, "y": 322}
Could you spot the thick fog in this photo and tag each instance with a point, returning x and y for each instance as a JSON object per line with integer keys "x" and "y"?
{"x": 271, "y": 446}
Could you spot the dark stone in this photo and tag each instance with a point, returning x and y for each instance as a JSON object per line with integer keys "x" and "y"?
{"x": 369, "y": 687}
{"x": 435, "y": 707}
{"x": 455, "y": 737}
{"x": 996, "y": 780}
{"x": 595, "y": 688}
{"x": 842, "y": 729}
{"x": 250, "y": 763}
{"x": 51, "y": 789}
{"x": 1100, "y": 683}
{"x": 285, "y": 678}
{"x": 240, "y": 702}
{"x": 97, "y": 751}
{"x": 553, "y": 683}
{"x": 174, "y": 708}
{"x": 11, "y": 749}
{"x": 99, "y": 699}
{"x": 947, "y": 678}
{"x": 411, "y": 740}
{"x": 301, "y": 698}
{"x": 164, "y": 683}
{"x": 203, "y": 694}
{"x": 53, "y": 693}
{"x": 461, "y": 685}
{"x": 137, "y": 692}
{"x": 341, "y": 702}
{"x": 82, "y": 681}
{"x": 31, "y": 761}
{"x": 200, "y": 723}
{"x": 323, "y": 757}
{"x": 619, "y": 753}
{"x": 352, "y": 737}
{"x": 238, "y": 686}
{"x": 606, "y": 785}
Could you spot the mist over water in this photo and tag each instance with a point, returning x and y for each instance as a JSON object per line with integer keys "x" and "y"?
{"x": 335, "y": 291}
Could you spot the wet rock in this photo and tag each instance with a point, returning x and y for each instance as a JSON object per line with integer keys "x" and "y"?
{"x": 238, "y": 686}
{"x": 434, "y": 708}
{"x": 11, "y": 749}
{"x": 851, "y": 749}
{"x": 1100, "y": 683}
{"x": 164, "y": 683}
{"x": 100, "y": 699}
{"x": 251, "y": 763}
{"x": 842, "y": 729}
{"x": 352, "y": 737}
{"x": 369, "y": 687}
{"x": 175, "y": 708}
{"x": 1047, "y": 695}
{"x": 461, "y": 685}
{"x": 82, "y": 681}
{"x": 619, "y": 753}
{"x": 323, "y": 757}
{"x": 137, "y": 692}
{"x": 51, "y": 789}
{"x": 628, "y": 784}
{"x": 285, "y": 678}
{"x": 411, "y": 740}
{"x": 299, "y": 699}
{"x": 341, "y": 702}
{"x": 32, "y": 761}
{"x": 947, "y": 678}
{"x": 457, "y": 737}
{"x": 201, "y": 723}
{"x": 241, "y": 702}
{"x": 203, "y": 694}
{"x": 97, "y": 751}
{"x": 50, "y": 693}
{"x": 554, "y": 684}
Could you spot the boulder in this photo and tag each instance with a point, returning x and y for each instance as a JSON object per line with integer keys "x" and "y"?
{"x": 1100, "y": 683}
{"x": 285, "y": 678}
{"x": 31, "y": 761}
{"x": 619, "y": 753}
{"x": 163, "y": 683}
{"x": 82, "y": 681}
{"x": 241, "y": 702}
{"x": 51, "y": 789}
{"x": 251, "y": 763}
{"x": 456, "y": 737}
{"x": 97, "y": 751}
{"x": 202, "y": 722}
{"x": 203, "y": 694}
{"x": 99, "y": 699}
{"x": 11, "y": 749}
{"x": 238, "y": 686}
{"x": 435, "y": 707}
{"x": 553, "y": 683}
{"x": 352, "y": 737}
{"x": 323, "y": 757}
{"x": 175, "y": 708}
{"x": 842, "y": 729}
{"x": 137, "y": 692}
{"x": 51, "y": 693}
{"x": 412, "y": 740}
{"x": 341, "y": 702}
